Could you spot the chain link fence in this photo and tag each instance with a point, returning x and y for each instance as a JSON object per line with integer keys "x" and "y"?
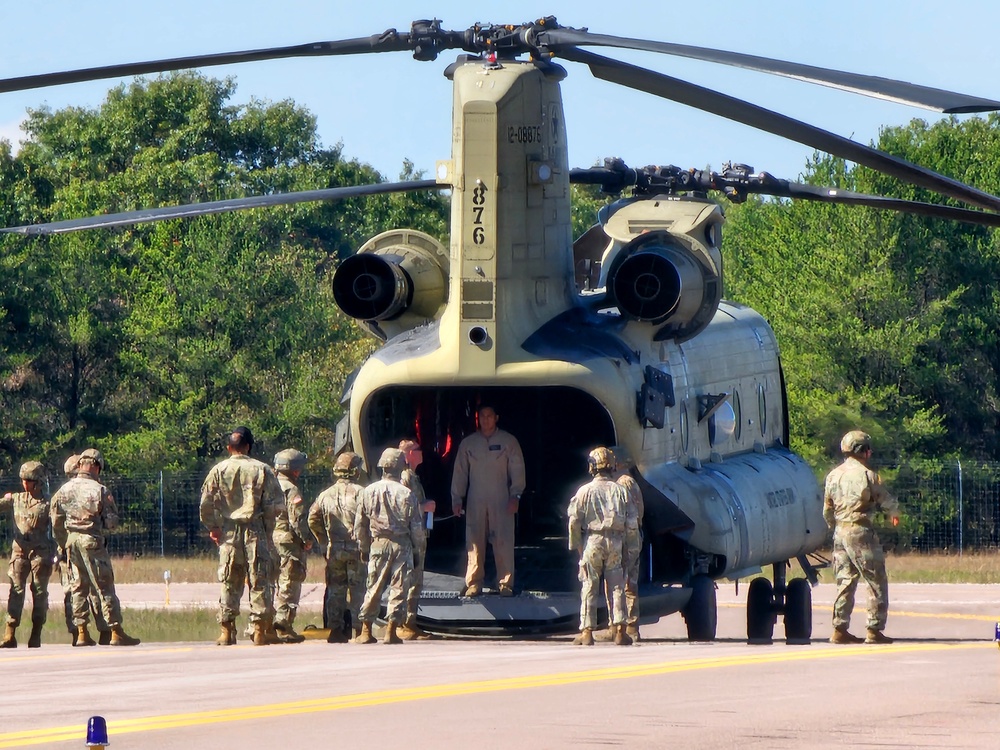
{"x": 947, "y": 505}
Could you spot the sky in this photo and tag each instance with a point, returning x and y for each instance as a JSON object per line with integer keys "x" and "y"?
{"x": 384, "y": 108}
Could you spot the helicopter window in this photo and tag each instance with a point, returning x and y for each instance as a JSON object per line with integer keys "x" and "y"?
{"x": 722, "y": 424}
{"x": 762, "y": 408}
{"x": 737, "y": 415}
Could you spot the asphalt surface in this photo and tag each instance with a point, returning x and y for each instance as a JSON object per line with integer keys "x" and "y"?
{"x": 936, "y": 687}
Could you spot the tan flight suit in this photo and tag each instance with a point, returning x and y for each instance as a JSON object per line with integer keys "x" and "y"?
{"x": 488, "y": 472}
{"x": 387, "y": 527}
{"x": 242, "y": 497}
{"x": 597, "y": 520}
{"x": 633, "y": 546}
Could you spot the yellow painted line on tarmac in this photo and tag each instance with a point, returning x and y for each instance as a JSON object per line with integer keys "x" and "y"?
{"x": 897, "y": 613}
{"x": 429, "y": 692}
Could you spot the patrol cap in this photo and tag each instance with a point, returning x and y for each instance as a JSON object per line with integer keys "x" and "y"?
{"x": 94, "y": 456}
{"x": 290, "y": 460}
{"x": 601, "y": 459}
{"x": 347, "y": 465}
{"x": 855, "y": 441}
{"x": 393, "y": 460}
{"x": 33, "y": 471}
{"x": 72, "y": 464}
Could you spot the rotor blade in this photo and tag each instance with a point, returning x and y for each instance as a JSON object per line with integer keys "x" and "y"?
{"x": 387, "y": 42}
{"x": 902, "y": 92}
{"x": 738, "y": 110}
{"x": 216, "y": 207}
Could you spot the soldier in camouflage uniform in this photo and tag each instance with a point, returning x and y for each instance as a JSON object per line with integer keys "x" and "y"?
{"x": 331, "y": 520}
{"x": 82, "y": 511}
{"x": 240, "y": 500}
{"x": 70, "y": 467}
{"x": 414, "y": 457}
{"x": 293, "y": 541}
{"x": 597, "y": 522}
{"x": 633, "y": 541}
{"x": 854, "y": 492}
{"x": 387, "y": 527}
{"x": 31, "y": 555}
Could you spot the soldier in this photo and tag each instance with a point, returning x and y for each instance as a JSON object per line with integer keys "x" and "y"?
{"x": 240, "y": 500}
{"x": 31, "y": 556}
{"x": 633, "y": 540}
{"x": 331, "y": 520}
{"x": 82, "y": 511}
{"x": 387, "y": 527}
{"x": 854, "y": 492}
{"x": 70, "y": 467}
{"x": 597, "y": 517}
{"x": 489, "y": 480}
{"x": 292, "y": 541}
{"x": 414, "y": 457}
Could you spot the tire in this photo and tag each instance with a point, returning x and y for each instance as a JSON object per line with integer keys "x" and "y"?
{"x": 701, "y": 613}
{"x": 760, "y": 611}
{"x": 798, "y": 611}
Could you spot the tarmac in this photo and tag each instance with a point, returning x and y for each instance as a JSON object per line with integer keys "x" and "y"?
{"x": 930, "y": 689}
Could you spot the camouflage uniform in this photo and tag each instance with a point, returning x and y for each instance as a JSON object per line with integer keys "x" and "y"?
{"x": 488, "y": 472}
{"x": 82, "y": 511}
{"x": 31, "y": 555}
{"x": 853, "y": 494}
{"x": 387, "y": 527}
{"x": 291, "y": 536}
{"x": 331, "y": 519}
{"x": 412, "y": 482}
{"x": 632, "y": 551}
{"x": 597, "y": 521}
{"x": 241, "y": 496}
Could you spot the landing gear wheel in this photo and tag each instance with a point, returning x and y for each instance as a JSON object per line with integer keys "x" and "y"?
{"x": 798, "y": 612}
{"x": 701, "y": 613}
{"x": 760, "y": 611}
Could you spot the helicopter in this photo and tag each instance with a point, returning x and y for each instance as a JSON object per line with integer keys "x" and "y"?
{"x": 621, "y": 337}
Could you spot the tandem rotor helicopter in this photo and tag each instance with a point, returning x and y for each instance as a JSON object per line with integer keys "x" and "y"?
{"x": 621, "y": 338}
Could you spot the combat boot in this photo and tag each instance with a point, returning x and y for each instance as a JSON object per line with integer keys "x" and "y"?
{"x": 9, "y": 641}
{"x": 260, "y": 634}
{"x": 621, "y": 637}
{"x": 876, "y": 636}
{"x": 103, "y": 637}
{"x": 337, "y": 635}
{"x": 390, "y": 634}
{"x": 632, "y": 631}
{"x": 842, "y": 637}
{"x": 285, "y": 634}
{"x": 586, "y": 638}
{"x": 411, "y": 631}
{"x": 365, "y": 636}
{"x": 271, "y": 635}
{"x": 473, "y": 590}
{"x": 227, "y": 634}
{"x": 83, "y": 637}
{"x": 35, "y": 639}
{"x": 120, "y": 638}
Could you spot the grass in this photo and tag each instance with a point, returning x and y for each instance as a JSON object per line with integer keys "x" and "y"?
{"x": 203, "y": 569}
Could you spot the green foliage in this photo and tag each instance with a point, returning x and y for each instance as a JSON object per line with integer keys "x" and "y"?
{"x": 152, "y": 341}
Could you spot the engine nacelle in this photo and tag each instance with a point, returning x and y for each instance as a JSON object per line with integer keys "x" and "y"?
{"x": 398, "y": 278}
{"x": 664, "y": 265}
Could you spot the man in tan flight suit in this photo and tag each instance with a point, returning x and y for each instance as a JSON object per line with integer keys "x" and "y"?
{"x": 387, "y": 528}
{"x": 854, "y": 493}
{"x": 331, "y": 520}
{"x": 597, "y": 522}
{"x": 488, "y": 480}
{"x": 82, "y": 511}
{"x": 414, "y": 457}
{"x": 240, "y": 500}
{"x": 31, "y": 554}
{"x": 293, "y": 541}
{"x": 633, "y": 540}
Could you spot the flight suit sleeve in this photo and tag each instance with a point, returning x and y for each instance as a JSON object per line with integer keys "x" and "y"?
{"x": 109, "y": 510}
{"x": 515, "y": 469}
{"x": 460, "y": 477}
